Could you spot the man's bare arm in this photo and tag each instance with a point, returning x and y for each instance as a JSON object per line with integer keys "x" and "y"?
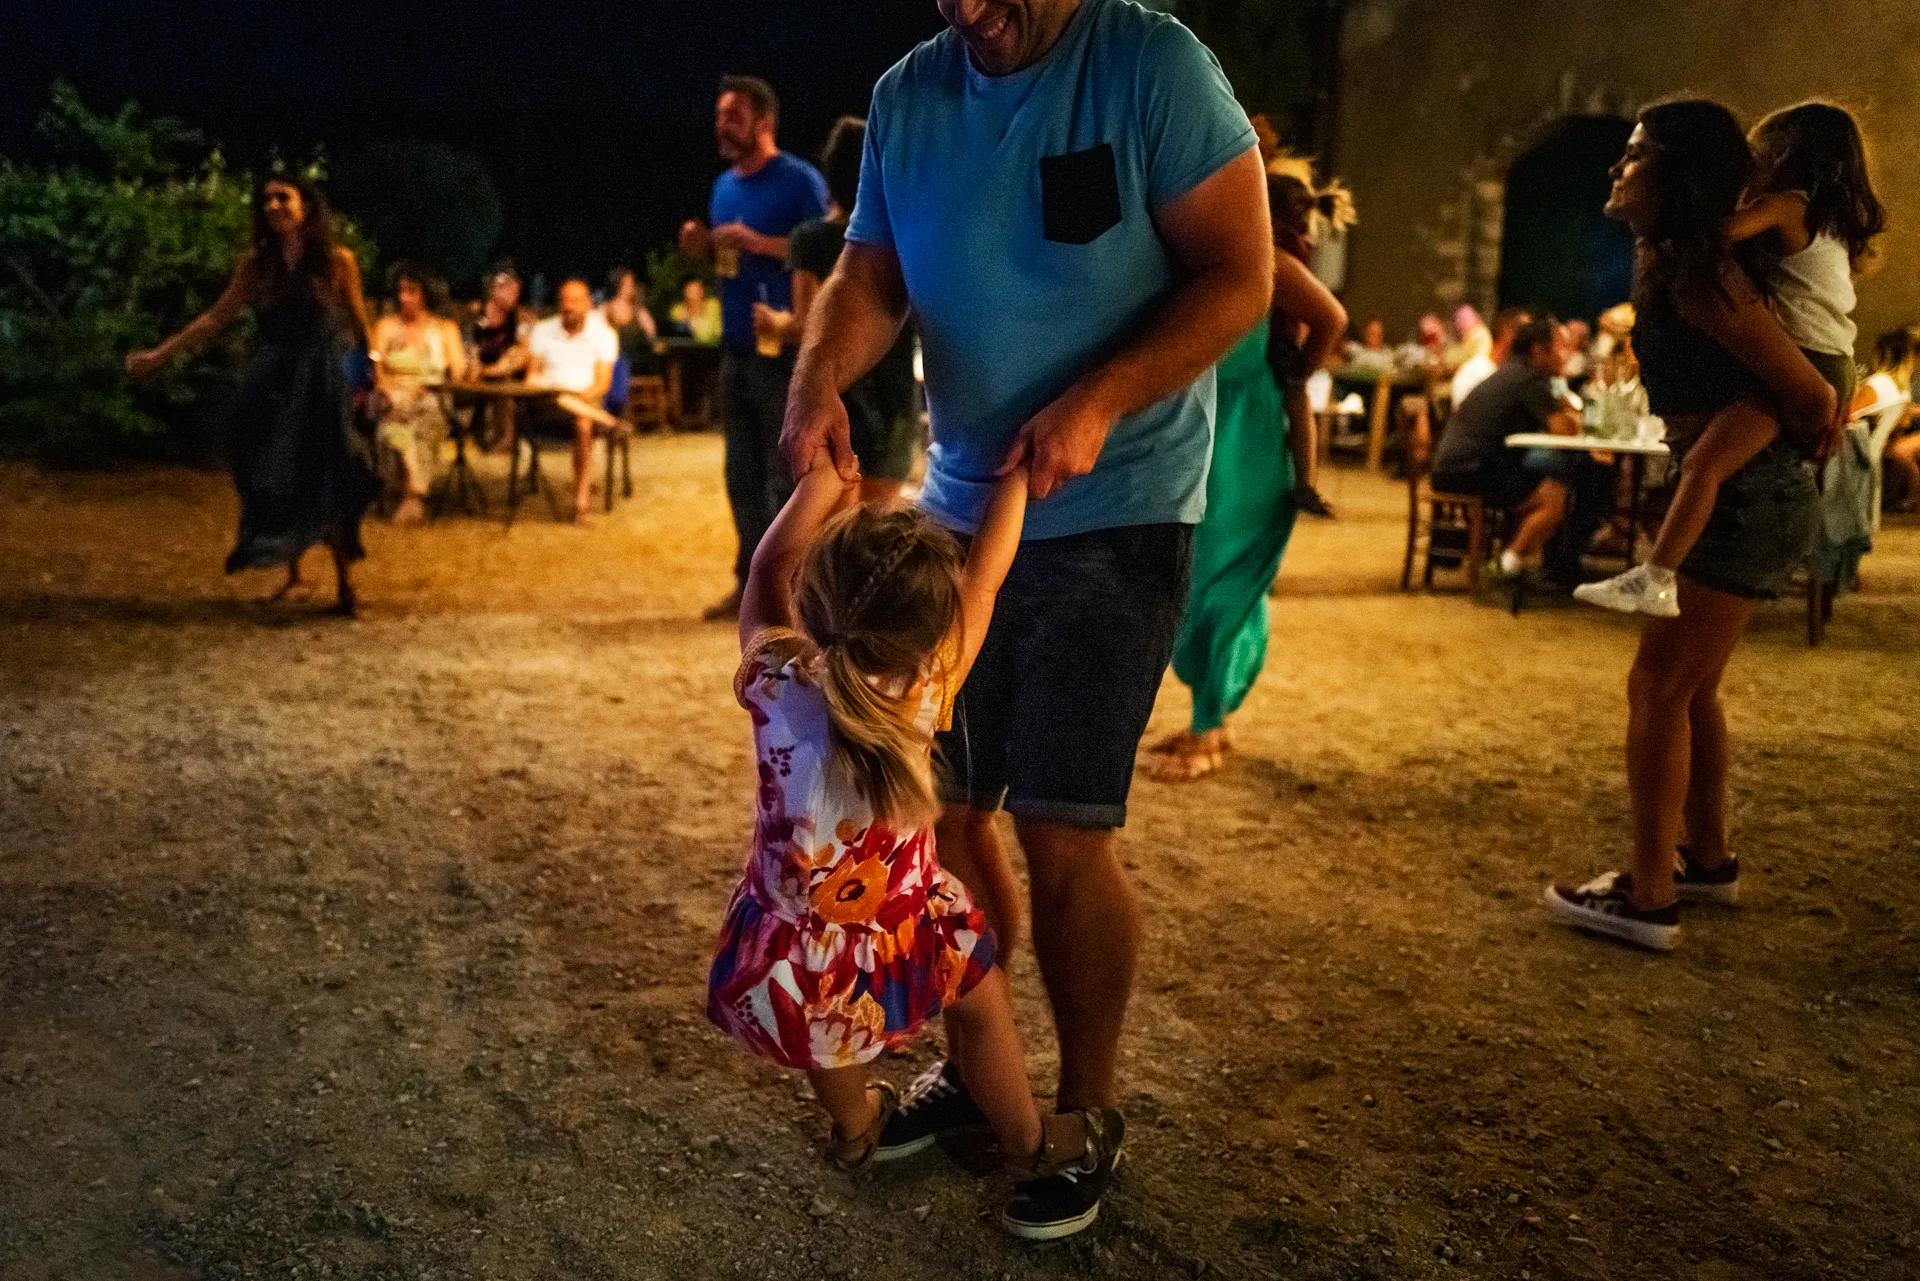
{"x": 853, "y": 322}
{"x": 1222, "y": 235}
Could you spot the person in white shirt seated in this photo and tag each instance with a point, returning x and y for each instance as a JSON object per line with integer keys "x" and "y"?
{"x": 573, "y": 352}
{"x": 1477, "y": 368}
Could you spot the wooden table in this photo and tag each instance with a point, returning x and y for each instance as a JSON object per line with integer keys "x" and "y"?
{"x": 1385, "y": 382}
{"x": 1633, "y": 452}
{"x": 687, "y": 362}
{"x": 462, "y": 485}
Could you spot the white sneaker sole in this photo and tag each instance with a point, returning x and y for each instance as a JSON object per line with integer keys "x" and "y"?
{"x": 1726, "y": 895}
{"x": 1655, "y": 938}
{"x": 1065, "y": 1227}
{"x": 883, "y": 1155}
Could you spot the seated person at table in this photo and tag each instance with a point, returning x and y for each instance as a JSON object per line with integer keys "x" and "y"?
{"x": 1895, "y": 355}
{"x": 414, "y": 350}
{"x": 625, "y": 312}
{"x": 1477, "y": 368}
{"x": 697, "y": 315}
{"x": 1560, "y": 496}
{"x": 573, "y": 352}
{"x": 1370, "y": 350}
{"x": 500, "y": 331}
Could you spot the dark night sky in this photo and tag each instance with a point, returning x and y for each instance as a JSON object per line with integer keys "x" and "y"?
{"x": 595, "y": 116}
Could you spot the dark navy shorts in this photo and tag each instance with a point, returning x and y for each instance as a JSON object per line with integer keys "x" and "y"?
{"x": 1052, "y": 713}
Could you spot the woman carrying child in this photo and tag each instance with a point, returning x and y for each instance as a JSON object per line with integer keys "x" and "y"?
{"x": 1709, "y": 348}
{"x": 845, "y": 935}
{"x": 1813, "y": 216}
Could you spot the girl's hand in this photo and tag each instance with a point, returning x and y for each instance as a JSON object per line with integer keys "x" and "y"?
{"x": 142, "y": 364}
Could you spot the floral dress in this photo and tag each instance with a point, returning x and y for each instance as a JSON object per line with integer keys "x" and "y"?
{"x": 844, "y": 936}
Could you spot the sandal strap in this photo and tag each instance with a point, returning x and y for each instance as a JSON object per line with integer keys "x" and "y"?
{"x": 1067, "y": 1140}
{"x": 853, "y": 1155}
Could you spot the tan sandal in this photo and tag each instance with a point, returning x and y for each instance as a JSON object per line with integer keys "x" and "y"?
{"x": 850, "y": 1156}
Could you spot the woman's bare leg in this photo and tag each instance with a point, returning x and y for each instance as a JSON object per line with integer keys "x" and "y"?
{"x": 1680, "y": 661}
{"x": 1730, "y": 441}
{"x": 1706, "y": 811}
{"x": 969, "y": 846}
{"x": 295, "y": 588}
{"x": 347, "y": 604}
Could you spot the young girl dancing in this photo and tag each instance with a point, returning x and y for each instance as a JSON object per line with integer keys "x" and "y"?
{"x": 1814, "y": 198}
{"x": 845, "y": 935}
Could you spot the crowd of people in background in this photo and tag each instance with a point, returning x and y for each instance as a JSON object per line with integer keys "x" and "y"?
{"x": 1115, "y": 470}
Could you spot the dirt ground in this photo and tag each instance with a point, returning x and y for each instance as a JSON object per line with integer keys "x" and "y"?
{"x": 377, "y": 949}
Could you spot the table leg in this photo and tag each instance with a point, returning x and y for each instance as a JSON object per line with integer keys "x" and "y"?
{"x": 676, "y": 403}
{"x": 1377, "y": 424}
{"x": 1636, "y": 481}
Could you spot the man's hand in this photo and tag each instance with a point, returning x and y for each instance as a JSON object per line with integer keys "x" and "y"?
{"x": 737, "y": 235}
{"x": 1060, "y": 442}
{"x": 817, "y": 428}
{"x": 695, "y": 240}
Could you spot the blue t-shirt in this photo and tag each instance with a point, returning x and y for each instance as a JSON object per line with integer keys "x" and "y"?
{"x": 785, "y": 193}
{"x": 1020, "y": 208}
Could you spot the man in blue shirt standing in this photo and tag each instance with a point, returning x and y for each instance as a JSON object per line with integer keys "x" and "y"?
{"x": 1070, "y": 201}
{"x": 764, "y": 195}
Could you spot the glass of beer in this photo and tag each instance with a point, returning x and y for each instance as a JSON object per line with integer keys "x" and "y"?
{"x": 726, "y": 261}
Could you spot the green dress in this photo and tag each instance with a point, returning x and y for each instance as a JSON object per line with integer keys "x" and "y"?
{"x": 1236, "y": 550}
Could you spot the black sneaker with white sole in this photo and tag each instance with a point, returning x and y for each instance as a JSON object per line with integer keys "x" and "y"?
{"x": 1068, "y": 1201}
{"x": 936, "y": 1105}
{"x": 1603, "y": 906}
{"x": 1707, "y": 884}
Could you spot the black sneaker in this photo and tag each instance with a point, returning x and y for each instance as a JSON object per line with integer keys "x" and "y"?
{"x": 1707, "y": 884}
{"x": 1603, "y": 906}
{"x": 1061, "y": 1204}
{"x": 936, "y": 1105}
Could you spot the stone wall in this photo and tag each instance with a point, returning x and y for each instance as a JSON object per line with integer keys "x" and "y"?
{"x": 1438, "y": 98}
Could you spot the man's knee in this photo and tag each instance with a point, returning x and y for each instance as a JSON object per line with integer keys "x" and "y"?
{"x": 1059, "y": 856}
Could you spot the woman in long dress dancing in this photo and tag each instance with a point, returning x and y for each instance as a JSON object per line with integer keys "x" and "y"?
{"x": 1252, "y": 498}
{"x": 304, "y": 472}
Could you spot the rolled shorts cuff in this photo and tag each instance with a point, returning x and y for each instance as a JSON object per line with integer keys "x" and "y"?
{"x": 1079, "y": 814}
{"x": 1065, "y": 813}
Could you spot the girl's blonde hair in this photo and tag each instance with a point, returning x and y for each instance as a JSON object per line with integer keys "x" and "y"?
{"x": 878, "y": 595}
{"x": 1314, "y": 212}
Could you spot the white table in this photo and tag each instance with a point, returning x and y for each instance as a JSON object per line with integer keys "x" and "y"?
{"x": 1634, "y": 451}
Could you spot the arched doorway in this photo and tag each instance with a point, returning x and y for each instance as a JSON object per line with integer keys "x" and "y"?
{"x": 1559, "y": 252}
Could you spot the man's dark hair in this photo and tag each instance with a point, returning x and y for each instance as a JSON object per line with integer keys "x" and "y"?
{"x": 755, "y": 90}
{"x": 840, "y": 160}
{"x": 1537, "y": 332}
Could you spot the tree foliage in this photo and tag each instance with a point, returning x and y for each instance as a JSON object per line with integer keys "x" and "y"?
{"x": 425, "y": 201}
{"x": 126, "y": 233}
{"x": 1266, "y": 47}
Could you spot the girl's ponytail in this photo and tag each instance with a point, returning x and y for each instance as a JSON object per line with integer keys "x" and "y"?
{"x": 879, "y": 595}
{"x": 878, "y": 749}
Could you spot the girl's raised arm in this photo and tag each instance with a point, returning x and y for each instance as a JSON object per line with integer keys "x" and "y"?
{"x": 767, "y": 599}
{"x": 991, "y": 556}
{"x": 1782, "y": 211}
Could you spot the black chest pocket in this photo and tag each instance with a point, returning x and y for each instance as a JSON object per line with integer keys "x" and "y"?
{"x": 1080, "y": 195}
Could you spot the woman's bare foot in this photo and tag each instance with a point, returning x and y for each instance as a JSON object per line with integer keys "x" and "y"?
{"x": 292, "y": 592}
{"x": 411, "y": 511}
{"x": 1173, "y": 744}
{"x": 1201, "y": 755}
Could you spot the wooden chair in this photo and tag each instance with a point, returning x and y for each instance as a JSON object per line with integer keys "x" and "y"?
{"x": 645, "y": 410}
{"x": 1444, "y": 531}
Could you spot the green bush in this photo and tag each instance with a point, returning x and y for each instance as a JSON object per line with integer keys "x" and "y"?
{"x": 128, "y": 233}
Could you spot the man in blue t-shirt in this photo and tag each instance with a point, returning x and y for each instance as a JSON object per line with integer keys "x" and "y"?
{"x": 764, "y": 195}
{"x": 1072, "y": 205}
